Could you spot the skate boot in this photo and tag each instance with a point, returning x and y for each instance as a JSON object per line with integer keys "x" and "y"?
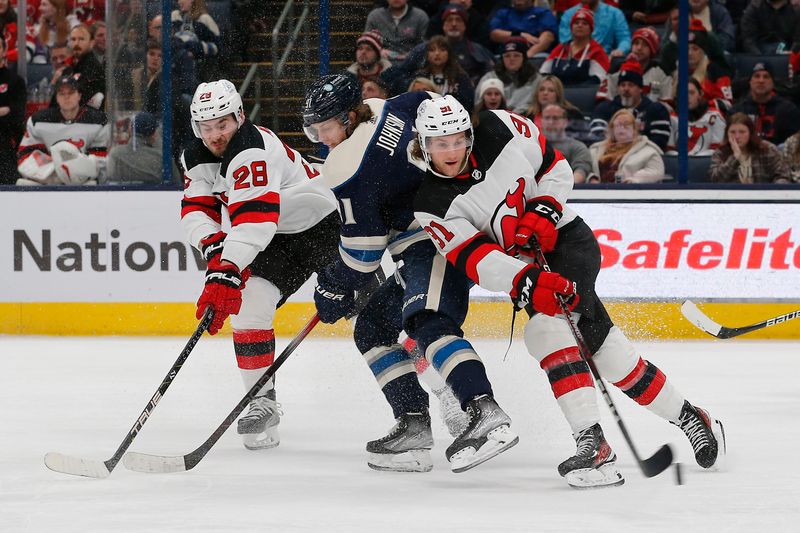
{"x": 454, "y": 418}
{"x": 706, "y": 435}
{"x": 259, "y": 427}
{"x": 592, "y": 466}
{"x": 488, "y": 433}
{"x": 407, "y": 446}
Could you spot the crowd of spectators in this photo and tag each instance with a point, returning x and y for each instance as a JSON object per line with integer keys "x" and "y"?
{"x": 585, "y": 71}
{"x": 54, "y": 126}
{"x": 599, "y": 77}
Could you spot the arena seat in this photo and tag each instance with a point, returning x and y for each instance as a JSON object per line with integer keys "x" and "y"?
{"x": 698, "y": 167}
{"x": 582, "y": 96}
{"x": 37, "y": 71}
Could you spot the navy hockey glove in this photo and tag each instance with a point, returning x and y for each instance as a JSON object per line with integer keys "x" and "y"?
{"x": 333, "y": 301}
{"x": 536, "y": 291}
{"x": 212, "y": 245}
{"x": 223, "y": 292}
{"x": 540, "y": 219}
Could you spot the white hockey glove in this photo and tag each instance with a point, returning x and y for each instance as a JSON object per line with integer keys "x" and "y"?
{"x": 73, "y": 167}
{"x": 37, "y": 167}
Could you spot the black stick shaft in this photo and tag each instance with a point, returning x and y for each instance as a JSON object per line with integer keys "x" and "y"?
{"x": 162, "y": 389}
{"x": 727, "y": 333}
{"x": 191, "y": 459}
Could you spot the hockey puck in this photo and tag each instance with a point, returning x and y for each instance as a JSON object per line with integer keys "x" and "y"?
{"x": 678, "y": 474}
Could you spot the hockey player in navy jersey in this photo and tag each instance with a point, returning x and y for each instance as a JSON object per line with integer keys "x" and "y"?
{"x": 369, "y": 171}
{"x": 284, "y": 226}
{"x": 487, "y": 193}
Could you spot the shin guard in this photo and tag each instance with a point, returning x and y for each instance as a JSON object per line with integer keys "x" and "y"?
{"x": 618, "y": 362}
{"x": 550, "y": 341}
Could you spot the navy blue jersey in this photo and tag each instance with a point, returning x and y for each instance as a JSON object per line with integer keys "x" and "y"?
{"x": 375, "y": 182}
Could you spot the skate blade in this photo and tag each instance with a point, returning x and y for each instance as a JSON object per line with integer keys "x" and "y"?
{"x": 410, "y": 461}
{"x": 262, "y": 441}
{"x": 604, "y": 476}
{"x": 498, "y": 440}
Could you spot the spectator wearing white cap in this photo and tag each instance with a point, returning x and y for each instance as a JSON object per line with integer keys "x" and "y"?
{"x": 519, "y": 77}
{"x": 369, "y": 63}
{"x": 491, "y": 95}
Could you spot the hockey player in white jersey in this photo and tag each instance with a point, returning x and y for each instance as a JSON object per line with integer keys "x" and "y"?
{"x": 369, "y": 171}
{"x": 284, "y": 226}
{"x": 487, "y": 193}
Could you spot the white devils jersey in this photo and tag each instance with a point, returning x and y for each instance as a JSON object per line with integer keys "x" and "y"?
{"x": 265, "y": 185}
{"x": 473, "y": 218}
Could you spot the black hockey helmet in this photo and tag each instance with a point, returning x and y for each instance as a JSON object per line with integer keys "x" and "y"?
{"x": 330, "y": 96}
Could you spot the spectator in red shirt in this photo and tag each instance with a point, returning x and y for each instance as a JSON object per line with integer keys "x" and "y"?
{"x": 714, "y": 79}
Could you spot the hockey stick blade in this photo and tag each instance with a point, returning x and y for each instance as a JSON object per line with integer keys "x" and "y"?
{"x": 694, "y": 315}
{"x": 658, "y": 462}
{"x": 149, "y": 463}
{"x": 77, "y": 466}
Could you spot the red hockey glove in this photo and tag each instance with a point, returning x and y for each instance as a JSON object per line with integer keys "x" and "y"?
{"x": 536, "y": 291}
{"x": 540, "y": 219}
{"x": 212, "y": 245}
{"x": 223, "y": 292}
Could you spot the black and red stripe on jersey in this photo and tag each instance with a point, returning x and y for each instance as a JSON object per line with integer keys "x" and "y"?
{"x": 467, "y": 256}
{"x": 264, "y": 208}
{"x": 643, "y": 383}
{"x": 254, "y": 348}
{"x": 567, "y": 371}
{"x": 211, "y": 206}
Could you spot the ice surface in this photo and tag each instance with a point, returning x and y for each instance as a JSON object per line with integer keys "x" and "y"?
{"x": 79, "y": 396}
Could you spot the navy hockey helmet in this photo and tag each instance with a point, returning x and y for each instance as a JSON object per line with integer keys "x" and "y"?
{"x": 331, "y": 96}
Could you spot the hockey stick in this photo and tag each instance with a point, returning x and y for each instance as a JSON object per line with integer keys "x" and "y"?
{"x": 694, "y": 315}
{"x": 143, "y": 462}
{"x": 102, "y": 469}
{"x": 659, "y": 461}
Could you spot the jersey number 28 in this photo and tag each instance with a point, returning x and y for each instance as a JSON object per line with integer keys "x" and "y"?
{"x": 258, "y": 172}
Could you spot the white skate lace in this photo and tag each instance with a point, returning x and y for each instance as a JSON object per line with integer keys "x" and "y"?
{"x": 694, "y": 427}
{"x": 262, "y": 406}
{"x": 585, "y": 442}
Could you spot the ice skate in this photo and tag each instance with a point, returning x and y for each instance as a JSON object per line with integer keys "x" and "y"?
{"x": 592, "y": 466}
{"x": 706, "y": 435}
{"x": 259, "y": 427}
{"x": 454, "y": 417}
{"x": 406, "y": 448}
{"x": 488, "y": 433}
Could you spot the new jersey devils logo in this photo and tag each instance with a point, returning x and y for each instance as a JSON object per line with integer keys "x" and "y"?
{"x": 507, "y": 215}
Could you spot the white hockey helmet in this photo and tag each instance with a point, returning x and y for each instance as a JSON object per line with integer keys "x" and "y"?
{"x": 440, "y": 116}
{"x": 215, "y": 99}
